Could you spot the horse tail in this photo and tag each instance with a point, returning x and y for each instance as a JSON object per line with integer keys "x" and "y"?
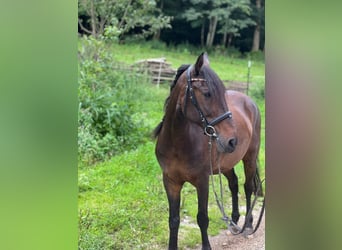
{"x": 257, "y": 184}
{"x": 257, "y": 181}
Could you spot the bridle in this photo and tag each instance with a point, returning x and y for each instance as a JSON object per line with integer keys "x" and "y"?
{"x": 208, "y": 127}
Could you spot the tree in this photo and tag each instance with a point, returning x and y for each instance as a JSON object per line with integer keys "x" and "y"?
{"x": 218, "y": 13}
{"x": 235, "y": 17}
{"x": 142, "y": 17}
{"x": 259, "y": 13}
{"x": 197, "y": 16}
{"x": 96, "y": 15}
{"x": 201, "y": 13}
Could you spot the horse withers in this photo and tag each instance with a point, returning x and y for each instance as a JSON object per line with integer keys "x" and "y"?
{"x": 198, "y": 110}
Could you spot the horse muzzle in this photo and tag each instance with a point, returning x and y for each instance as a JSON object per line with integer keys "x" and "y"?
{"x": 226, "y": 145}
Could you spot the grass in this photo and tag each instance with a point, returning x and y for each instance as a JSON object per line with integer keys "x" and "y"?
{"x": 228, "y": 68}
{"x": 122, "y": 202}
{"x": 117, "y": 204}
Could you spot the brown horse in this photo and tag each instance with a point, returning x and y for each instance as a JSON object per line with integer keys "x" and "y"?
{"x": 198, "y": 108}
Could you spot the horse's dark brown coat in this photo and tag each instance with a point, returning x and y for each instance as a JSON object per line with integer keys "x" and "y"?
{"x": 182, "y": 147}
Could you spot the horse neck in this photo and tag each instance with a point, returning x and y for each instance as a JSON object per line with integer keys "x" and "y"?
{"x": 177, "y": 126}
{"x": 175, "y": 120}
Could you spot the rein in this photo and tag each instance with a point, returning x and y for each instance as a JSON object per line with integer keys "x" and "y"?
{"x": 230, "y": 223}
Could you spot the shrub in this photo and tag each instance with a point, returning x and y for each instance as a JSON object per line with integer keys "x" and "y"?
{"x": 257, "y": 90}
{"x": 256, "y": 56}
{"x": 156, "y": 44}
{"x": 107, "y": 95}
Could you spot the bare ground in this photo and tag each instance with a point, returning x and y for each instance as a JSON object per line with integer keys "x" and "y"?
{"x": 225, "y": 240}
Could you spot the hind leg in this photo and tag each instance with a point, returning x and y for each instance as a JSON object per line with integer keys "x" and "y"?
{"x": 250, "y": 166}
{"x": 234, "y": 189}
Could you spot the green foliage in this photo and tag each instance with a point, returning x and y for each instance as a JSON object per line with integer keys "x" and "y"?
{"x": 256, "y": 55}
{"x": 188, "y": 48}
{"x": 231, "y": 16}
{"x": 156, "y": 44}
{"x": 229, "y": 52}
{"x": 112, "y": 32}
{"x": 257, "y": 91}
{"x": 125, "y": 15}
{"x": 107, "y": 103}
{"x": 235, "y": 16}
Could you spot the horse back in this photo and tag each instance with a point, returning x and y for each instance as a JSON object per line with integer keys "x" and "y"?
{"x": 244, "y": 109}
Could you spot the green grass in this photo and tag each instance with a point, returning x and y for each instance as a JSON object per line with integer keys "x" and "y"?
{"x": 228, "y": 68}
{"x": 119, "y": 199}
{"x": 122, "y": 202}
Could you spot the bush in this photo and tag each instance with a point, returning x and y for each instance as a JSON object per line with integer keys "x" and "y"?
{"x": 257, "y": 90}
{"x": 256, "y": 56}
{"x": 107, "y": 97}
{"x": 156, "y": 44}
{"x": 184, "y": 47}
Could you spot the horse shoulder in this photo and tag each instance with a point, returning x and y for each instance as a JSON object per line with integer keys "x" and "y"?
{"x": 244, "y": 110}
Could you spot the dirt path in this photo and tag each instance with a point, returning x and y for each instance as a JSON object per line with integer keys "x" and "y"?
{"x": 238, "y": 242}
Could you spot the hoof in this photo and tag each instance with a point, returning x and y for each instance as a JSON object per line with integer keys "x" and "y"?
{"x": 234, "y": 229}
{"x": 206, "y": 247}
{"x": 247, "y": 233}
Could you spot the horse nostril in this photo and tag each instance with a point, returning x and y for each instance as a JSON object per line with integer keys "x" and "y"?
{"x": 232, "y": 142}
{"x": 228, "y": 145}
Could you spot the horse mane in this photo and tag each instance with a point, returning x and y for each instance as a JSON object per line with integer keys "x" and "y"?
{"x": 214, "y": 84}
{"x": 180, "y": 71}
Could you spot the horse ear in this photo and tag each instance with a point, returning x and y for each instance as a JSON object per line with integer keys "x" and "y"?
{"x": 201, "y": 60}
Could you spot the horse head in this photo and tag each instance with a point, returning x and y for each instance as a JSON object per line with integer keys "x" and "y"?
{"x": 203, "y": 102}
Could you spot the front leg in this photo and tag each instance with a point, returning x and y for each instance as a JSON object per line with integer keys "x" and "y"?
{"x": 202, "y": 215}
{"x": 173, "y": 189}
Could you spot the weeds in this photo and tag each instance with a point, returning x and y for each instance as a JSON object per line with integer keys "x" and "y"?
{"x": 108, "y": 101}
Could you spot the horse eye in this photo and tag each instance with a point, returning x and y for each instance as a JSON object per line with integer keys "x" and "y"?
{"x": 207, "y": 94}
